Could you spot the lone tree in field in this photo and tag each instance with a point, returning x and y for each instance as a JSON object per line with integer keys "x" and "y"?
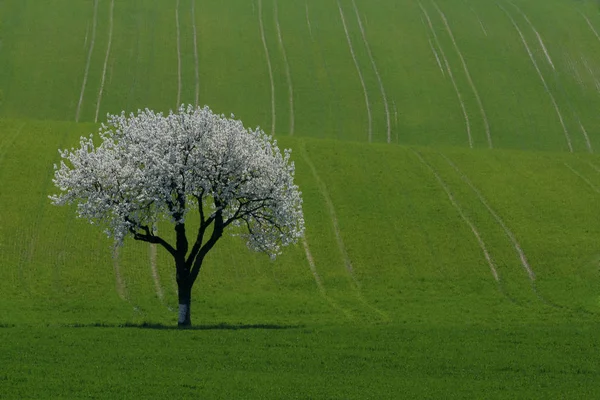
{"x": 190, "y": 164}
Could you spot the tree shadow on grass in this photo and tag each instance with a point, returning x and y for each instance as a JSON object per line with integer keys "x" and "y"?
{"x": 201, "y": 327}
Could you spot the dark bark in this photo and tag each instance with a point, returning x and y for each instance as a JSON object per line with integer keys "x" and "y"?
{"x": 185, "y": 300}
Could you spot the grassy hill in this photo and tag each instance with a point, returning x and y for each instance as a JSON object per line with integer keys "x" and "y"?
{"x": 521, "y": 75}
{"x": 440, "y": 265}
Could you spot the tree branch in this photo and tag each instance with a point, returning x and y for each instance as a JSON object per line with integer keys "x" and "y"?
{"x": 151, "y": 238}
{"x": 210, "y": 243}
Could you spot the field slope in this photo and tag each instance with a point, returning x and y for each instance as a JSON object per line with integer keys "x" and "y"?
{"x": 411, "y": 254}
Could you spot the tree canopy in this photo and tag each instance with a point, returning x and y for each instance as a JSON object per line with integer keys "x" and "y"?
{"x": 148, "y": 167}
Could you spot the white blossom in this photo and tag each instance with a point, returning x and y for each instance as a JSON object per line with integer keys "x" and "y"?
{"x": 149, "y": 167}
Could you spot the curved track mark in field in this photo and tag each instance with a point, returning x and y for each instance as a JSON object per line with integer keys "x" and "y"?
{"x": 313, "y": 267}
{"x": 507, "y": 231}
{"x": 468, "y": 74}
{"x": 381, "y": 87}
{"x": 264, "y": 41}
{"x": 319, "y": 281}
{"x": 89, "y": 59}
{"x": 591, "y": 72}
{"x": 464, "y": 217}
{"x": 395, "y": 118}
{"x": 583, "y": 178}
{"x": 288, "y": 75}
{"x": 110, "y": 34}
{"x": 308, "y": 23}
{"x": 558, "y": 113}
{"x": 154, "y": 270}
{"x": 595, "y": 167}
{"x": 178, "y": 54}
{"x": 119, "y": 284}
{"x": 449, "y": 70}
{"x": 87, "y": 33}
{"x": 437, "y": 58}
{"x": 197, "y": 69}
{"x": 479, "y": 20}
{"x": 586, "y": 136}
{"x": 590, "y": 25}
{"x": 537, "y": 34}
{"x": 338, "y": 236}
{"x": 360, "y": 76}
{"x": 334, "y": 220}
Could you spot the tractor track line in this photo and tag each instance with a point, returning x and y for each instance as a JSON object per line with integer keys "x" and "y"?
{"x": 110, "y": 35}
{"x": 595, "y": 167}
{"x": 319, "y": 281}
{"x": 87, "y": 32}
{"x": 558, "y": 113}
{"x": 586, "y": 136}
{"x": 537, "y": 34}
{"x": 313, "y": 267}
{"x": 591, "y": 72}
{"x": 288, "y": 74}
{"x": 154, "y": 270}
{"x": 395, "y": 119}
{"x": 509, "y": 234}
{"x": 437, "y": 58}
{"x": 381, "y": 87}
{"x": 450, "y": 74}
{"x": 338, "y": 236}
{"x": 308, "y": 23}
{"x": 464, "y": 217}
{"x": 178, "y": 54}
{"x": 468, "y": 74}
{"x": 479, "y": 20}
{"x": 360, "y": 76}
{"x": 507, "y": 231}
{"x": 197, "y": 69}
{"x": 583, "y": 178}
{"x": 264, "y": 41}
{"x": 590, "y": 25}
{"x": 89, "y": 59}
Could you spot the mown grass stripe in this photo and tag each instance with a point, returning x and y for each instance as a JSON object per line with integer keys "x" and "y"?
{"x": 450, "y": 74}
{"x": 468, "y": 74}
{"x": 376, "y": 70}
{"x": 556, "y": 108}
{"x": 288, "y": 74}
{"x": 360, "y": 75}
{"x": 88, "y": 61}
{"x": 107, "y": 55}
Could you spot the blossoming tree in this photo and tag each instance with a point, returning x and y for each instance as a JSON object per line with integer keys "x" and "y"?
{"x": 192, "y": 163}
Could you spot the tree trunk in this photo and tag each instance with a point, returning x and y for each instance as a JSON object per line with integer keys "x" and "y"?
{"x": 185, "y": 299}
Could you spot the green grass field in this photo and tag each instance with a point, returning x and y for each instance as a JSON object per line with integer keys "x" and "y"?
{"x": 459, "y": 260}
